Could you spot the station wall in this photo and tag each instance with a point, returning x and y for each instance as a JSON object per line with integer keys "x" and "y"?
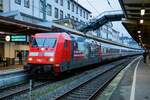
{"x": 2, "y": 50}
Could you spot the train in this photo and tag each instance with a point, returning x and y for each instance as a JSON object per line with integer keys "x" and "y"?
{"x": 59, "y": 52}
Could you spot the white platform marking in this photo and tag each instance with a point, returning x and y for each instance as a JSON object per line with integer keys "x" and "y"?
{"x": 132, "y": 96}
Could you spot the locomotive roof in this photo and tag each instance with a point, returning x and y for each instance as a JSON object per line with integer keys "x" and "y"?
{"x": 59, "y": 34}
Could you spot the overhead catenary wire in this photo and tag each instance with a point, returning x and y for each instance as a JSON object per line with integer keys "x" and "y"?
{"x": 93, "y": 7}
{"x": 109, "y": 3}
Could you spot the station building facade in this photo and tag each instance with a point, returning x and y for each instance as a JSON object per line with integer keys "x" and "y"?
{"x": 38, "y": 12}
{"x": 31, "y": 10}
{"x": 107, "y": 32}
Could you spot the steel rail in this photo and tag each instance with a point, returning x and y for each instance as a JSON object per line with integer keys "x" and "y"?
{"x": 83, "y": 87}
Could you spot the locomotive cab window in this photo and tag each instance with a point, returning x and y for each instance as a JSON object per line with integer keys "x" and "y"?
{"x": 44, "y": 42}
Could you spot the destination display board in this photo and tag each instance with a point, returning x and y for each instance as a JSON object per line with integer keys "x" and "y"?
{"x": 19, "y": 38}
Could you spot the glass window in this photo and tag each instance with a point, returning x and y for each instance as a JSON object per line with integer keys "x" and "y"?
{"x": 49, "y": 10}
{"x": 84, "y": 14}
{"x": 87, "y": 16}
{"x": 73, "y": 17}
{"x": 69, "y": 5}
{"x": 80, "y": 12}
{"x": 68, "y": 15}
{"x": 61, "y": 2}
{"x": 72, "y": 7}
{"x": 1, "y": 5}
{"x": 56, "y": 1}
{"x": 76, "y": 9}
{"x": 44, "y": 42}
{"x": 18, "y": 2}
{"x": 26, "y": 3}
{"x": 76, "y": 19}
{"x": 56, "y": 12}
{"x": 61, "y": 14}
{"x": 41, "y": 6}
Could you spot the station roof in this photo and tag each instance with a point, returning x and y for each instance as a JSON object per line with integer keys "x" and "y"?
{"x": 16, "y": 26}
{"x": 132, "y": 11}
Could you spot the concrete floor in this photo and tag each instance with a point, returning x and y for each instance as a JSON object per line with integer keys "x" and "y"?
{"x": 142, "y": 83}
{"x": 10, "y": 68}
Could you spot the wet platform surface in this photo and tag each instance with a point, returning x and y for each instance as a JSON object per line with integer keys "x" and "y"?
{"x": 135, "y": 84}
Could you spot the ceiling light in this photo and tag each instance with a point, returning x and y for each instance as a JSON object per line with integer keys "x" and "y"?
{"x": 66, "y": 24}
{"x": 139, "y": 31}
{"x": 141, "y": 21}
{"x": 139, "y": 36}
{"x": 142, "y": 12}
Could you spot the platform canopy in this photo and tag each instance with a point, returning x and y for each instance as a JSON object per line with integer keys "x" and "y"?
{"x": 137, "y": 20}
{"x": 16, "y": 26}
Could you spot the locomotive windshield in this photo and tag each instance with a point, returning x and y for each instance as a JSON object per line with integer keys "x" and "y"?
{"x": 44, "y": 42}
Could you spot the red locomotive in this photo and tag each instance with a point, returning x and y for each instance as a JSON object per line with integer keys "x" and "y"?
{"x": 59, "y": 52}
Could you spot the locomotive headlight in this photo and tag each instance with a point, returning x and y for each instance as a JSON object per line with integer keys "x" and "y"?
{"x": 51, "y": 59}
{"x": 42, "y": 49}
{"x": 30, "y": 59}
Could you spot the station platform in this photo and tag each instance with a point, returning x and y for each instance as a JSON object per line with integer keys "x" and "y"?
{"x": 10, "y": 68}
{"x": 132, "y": 84}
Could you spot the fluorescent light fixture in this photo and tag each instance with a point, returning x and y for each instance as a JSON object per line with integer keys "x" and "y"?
{"x": 139, "y": 31}
{"x": 141, "y": 21}
{"x": 142, "y": 12}
{"x": 139, "y": 36}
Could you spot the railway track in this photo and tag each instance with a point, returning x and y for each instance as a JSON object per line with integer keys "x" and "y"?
{"x": 82, "y": 91}
{"x": 7, "y": 94}
{"x": 12, "y": 78}
{"x": 91, "y": 88}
